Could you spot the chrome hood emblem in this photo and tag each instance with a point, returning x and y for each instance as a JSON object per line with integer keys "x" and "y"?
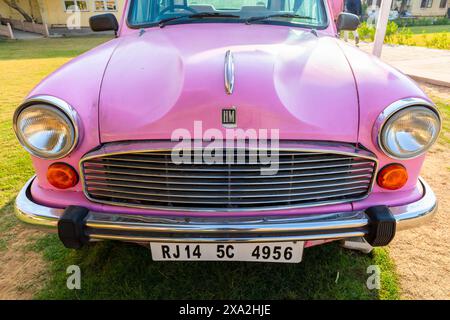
{"x": 229, "y": 72}
{"x": 229, "y": 119}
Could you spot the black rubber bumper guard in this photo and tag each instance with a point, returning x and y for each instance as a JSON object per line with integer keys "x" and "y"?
{"x": 71, "y": 227}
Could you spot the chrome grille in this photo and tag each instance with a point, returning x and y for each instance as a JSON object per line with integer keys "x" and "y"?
{"x": 151, "y": 180}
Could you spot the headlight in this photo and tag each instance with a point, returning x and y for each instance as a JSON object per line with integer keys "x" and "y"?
{"x": 410, "y": 131}
{"x": 46, "y": 127}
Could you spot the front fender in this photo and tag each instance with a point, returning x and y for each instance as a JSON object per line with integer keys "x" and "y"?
{"x": 78, "y": 83}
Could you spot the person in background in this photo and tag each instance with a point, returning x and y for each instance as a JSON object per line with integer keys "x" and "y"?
{"x": 355, "y": 7}
{"x": 372, "y": 16}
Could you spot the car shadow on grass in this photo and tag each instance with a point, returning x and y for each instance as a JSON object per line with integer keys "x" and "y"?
{"x": 111, "y": 270}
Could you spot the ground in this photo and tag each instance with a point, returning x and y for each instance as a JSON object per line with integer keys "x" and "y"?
{"x": 431, "y": 65}
{"x": 33, "y": 265}
{"x": 422, "y": 255}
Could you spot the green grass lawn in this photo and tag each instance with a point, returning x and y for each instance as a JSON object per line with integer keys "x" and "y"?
{"x": 116, "y": 270}
{"x": 430, "y": 29}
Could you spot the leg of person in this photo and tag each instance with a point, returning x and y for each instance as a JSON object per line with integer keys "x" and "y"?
{"x": 356, "y": 35}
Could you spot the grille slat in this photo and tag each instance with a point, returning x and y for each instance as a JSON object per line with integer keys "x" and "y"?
{"x": 213, "y": 168}
{"x": 211, "y": 182}
{"x": 209, "y": 176}
{"x": 163, "y": 160}
{"x": 234, "y": 151}
{"x": 150, "y": 180}
{"x": 152, "y": 186}
{"x": 216, "y": 202}
{"x": 217, "y": 194}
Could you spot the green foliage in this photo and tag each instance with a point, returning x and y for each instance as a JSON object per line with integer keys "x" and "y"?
{"x": 406, "y": 36}
{"x": 402, "y": 36}
{"x": 438, "y": 41}
{"x": 366, "y": 32}
{"x": 391, "y": 30}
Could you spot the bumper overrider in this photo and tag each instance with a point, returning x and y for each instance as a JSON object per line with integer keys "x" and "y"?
{"x": 77, "y": 226}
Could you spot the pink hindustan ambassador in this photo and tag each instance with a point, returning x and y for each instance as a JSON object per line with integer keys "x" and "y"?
{"x": 351, "y": 135}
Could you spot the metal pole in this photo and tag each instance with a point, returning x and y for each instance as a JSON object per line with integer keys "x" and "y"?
{"x": 382, "y": 22}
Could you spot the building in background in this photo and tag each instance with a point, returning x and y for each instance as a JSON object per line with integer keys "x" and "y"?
{"x": 415, "y": 8}
{"x": 57, "y": 12}
{"x": 428, "y": 8}
{"x": 60, "y": 13}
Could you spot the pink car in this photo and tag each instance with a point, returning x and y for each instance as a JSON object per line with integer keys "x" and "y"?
{"x": 227, "y": 130}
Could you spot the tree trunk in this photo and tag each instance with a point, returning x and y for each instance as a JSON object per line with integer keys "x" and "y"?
{"x": 402, "y": 7}
{"x": 13, "y": 4}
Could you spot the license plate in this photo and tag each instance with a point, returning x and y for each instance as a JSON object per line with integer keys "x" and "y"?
{"x": 282, "y": 252}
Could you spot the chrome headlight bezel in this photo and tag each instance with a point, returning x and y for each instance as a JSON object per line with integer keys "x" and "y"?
{"x": 60, "y": 107}
{"x": 394, "y": 110}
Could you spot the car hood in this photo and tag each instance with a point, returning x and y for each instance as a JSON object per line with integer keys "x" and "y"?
{"x": 288, "y": 79}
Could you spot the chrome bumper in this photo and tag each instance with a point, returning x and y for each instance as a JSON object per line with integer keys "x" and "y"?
{"x": 138, "y": 228}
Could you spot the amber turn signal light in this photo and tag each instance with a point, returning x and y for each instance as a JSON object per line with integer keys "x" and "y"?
{"x": 62, "y": 176}
{"x": 392, "y": 177}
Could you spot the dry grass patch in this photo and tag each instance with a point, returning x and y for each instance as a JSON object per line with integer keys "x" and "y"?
{"x": 422, "y": 255}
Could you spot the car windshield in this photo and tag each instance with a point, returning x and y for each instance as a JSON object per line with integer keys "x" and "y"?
{"x": 305, "y": 13}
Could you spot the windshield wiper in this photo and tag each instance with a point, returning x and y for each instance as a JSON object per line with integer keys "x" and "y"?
{"x": 162, "y": 23}
{"x": 277, "y": 15}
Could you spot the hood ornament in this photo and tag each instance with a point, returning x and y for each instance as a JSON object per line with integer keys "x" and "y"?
{"x": 229, "y": 72}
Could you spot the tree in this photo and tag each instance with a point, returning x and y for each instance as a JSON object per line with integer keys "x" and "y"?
{"x": 13, "y": 4}
{"x": 402, "y": 9}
